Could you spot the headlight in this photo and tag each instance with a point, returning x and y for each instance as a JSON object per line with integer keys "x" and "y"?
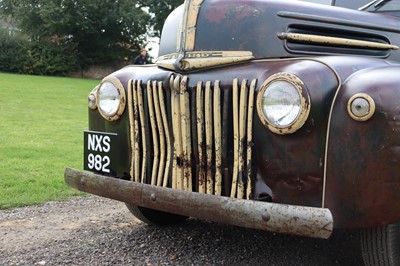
{"x": 361, "y": 107}
{"x": 92, "y": 99}
{"x": 111, "y": 98}
{"x": 283, "y": 103}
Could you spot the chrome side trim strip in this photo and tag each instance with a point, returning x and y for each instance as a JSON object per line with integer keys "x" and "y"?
{"x": 318, "y": 39}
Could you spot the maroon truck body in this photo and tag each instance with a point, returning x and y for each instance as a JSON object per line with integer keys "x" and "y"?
{"x": 221, "y": 63}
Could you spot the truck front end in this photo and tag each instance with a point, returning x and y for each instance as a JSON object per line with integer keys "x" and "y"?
{"x": 275, "y": 115}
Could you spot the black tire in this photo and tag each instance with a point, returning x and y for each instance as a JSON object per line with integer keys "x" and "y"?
{"x": 154, "y": 217}
{"x": 381, "y": 245}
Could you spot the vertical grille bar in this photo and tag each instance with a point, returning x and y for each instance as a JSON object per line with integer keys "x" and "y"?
{"x": 132, "y": 131}
{"x": 226, "y": 141}
{"x": 176, "y": 126}
{"x": 200, "y": 129}
{"x": 143, "y": 127}
{"x": 174, "y": 162}
{"x": 242, "y": 132}
{"x": 161, "y": 134}
{"x": 235, "y": 96}
{"x": 218, "y": 138}
{"x": 186, "y": 135}
{"x": 250, "y": 137}
{"x": 209, "y": 137}
{"x": 136, "y": 150}
{"x": 153, "y": 124}
{"x": 163, "y": 111}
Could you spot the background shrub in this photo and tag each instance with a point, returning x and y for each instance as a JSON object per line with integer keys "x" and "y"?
{"x": 13, "y": 53}
{"x": 47, "y": 58}
{"x": 19, "y": 55}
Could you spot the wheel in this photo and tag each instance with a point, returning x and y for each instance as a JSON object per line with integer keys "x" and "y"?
{"x": 154, "y": 217}
{"x": 381, "y": 245}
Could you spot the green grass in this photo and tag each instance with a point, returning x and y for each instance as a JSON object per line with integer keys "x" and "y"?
{"x": 41, "y": 132}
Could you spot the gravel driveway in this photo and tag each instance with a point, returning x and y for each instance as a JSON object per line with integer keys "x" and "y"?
{"x": 97, "y": 231}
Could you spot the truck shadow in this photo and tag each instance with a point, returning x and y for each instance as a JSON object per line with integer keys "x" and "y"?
{"x": 206, "y": 243}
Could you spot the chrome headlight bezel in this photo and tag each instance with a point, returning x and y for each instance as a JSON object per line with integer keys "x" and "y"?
{"x": 92, "y": 98}
{"x": 299, "y": 117}
{"x": 120, "y": 99}
{"x": 363, "y": 110}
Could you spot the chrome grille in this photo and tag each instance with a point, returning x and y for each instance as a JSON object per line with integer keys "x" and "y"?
{"x": 179, "y": 138}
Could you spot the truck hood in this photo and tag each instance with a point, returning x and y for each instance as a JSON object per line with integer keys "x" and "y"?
{"x": 210, "y": 33}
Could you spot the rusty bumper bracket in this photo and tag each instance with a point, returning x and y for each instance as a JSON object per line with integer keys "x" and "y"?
{"x": 280, "y": 218}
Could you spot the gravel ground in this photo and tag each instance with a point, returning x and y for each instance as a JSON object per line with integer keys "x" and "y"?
{"x": 97, "y": 231}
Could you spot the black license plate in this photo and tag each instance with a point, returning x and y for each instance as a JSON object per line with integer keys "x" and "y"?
{"x": 100, "y": 153}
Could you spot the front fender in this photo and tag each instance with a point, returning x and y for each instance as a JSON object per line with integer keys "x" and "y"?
{"x": 363, "y": 158}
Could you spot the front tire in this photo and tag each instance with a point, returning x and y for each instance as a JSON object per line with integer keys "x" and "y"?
{"x": 381, "y": 245}
{"x": 154, "y": 217}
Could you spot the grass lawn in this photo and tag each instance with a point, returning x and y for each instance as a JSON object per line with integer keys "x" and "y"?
{"x": 41, "y": 132}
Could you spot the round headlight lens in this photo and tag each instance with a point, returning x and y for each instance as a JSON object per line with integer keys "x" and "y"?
{"x": 281, "y": 103}
{"x": 111, "y": 99}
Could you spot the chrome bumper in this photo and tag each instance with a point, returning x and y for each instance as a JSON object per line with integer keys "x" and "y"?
{"x": 274, "y": 217}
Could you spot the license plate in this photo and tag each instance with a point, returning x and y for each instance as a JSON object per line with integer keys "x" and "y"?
{"x": 100, "y": 153}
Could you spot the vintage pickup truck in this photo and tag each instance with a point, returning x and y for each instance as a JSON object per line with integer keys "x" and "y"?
{"x": 269, "y": 114}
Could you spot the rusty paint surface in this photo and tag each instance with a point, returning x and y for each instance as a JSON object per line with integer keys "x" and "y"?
{"x": 363, "y": 181}
{"x": 292, "y": 166}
